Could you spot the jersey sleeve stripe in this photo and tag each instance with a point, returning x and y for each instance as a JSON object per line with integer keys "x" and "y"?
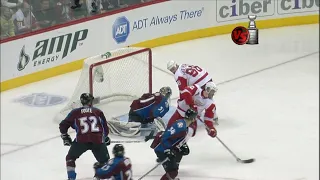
{"x": 202, "y": 77}
{"x": 147, "y": 100}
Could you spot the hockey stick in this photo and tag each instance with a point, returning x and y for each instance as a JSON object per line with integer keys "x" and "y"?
{"x": 150, "y": 136}
{"x": 234, "y": 155}
{"x": 147, "y": 173}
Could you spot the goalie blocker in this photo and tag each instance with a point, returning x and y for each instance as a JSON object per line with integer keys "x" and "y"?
{"x": 147, "y": 110}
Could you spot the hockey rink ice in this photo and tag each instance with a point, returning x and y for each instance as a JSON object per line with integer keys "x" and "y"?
{"x": 268, "y": 106}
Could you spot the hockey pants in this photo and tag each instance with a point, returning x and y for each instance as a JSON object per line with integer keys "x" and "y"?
{"x": 172, "y": 164}
{"x": 99, "y": 151}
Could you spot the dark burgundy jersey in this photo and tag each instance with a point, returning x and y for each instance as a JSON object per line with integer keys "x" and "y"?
{"x": 146, "y": 100}
{"x": 89, "y": 122}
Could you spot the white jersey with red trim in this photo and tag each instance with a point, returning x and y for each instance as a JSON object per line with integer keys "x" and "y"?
{"x": 188, "y": 75}
{"x": 199, "y": 101}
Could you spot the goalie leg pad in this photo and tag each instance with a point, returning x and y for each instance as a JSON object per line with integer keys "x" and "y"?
{"x": 126, "y": 129}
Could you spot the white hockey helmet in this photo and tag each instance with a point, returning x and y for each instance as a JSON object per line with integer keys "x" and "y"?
{"x": 211, "y": 89}
{"x": 171, "y": 64}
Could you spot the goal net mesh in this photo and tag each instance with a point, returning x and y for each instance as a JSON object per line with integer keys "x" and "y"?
{"x": 120, "y": 75}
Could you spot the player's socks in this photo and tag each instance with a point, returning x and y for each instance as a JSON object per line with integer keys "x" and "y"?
{"x": 72, "y": 175}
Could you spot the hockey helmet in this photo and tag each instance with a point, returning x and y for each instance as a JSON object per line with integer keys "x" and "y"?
{"x": 211, "y": 89}
{"x": 86, "y": 99}
{"x": 166, "y": 91}
{"x": 171, "y": 64}
{"x": 118, "y": 150}
{"x": 191, "y": 114}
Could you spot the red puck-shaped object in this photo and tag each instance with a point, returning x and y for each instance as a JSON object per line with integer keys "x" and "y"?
{"x": 240, "y": 35}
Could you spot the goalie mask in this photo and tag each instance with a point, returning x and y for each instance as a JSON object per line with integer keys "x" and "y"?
{"x": 211, "y": 89}
{"x": 86, "y": 99}
{"x": 166, "y": 92}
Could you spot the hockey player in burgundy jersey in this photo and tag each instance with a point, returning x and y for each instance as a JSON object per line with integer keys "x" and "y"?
{"x": 148, "y": 109}
{"x": 91, "y": 134}
{"x": 118, "y": 168}
{"x": 150, "y": 106}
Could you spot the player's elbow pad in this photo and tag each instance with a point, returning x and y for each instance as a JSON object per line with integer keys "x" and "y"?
{"x": 187, "y": 97}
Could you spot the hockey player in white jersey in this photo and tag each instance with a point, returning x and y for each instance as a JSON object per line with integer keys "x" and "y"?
{"x": 188, "y": 75}
{"x": 199, "y": 99}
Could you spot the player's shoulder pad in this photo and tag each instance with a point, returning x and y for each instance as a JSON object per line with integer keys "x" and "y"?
{"x": 75, "y": 110}
{"x": 126, "y": 161}
{"x": 181, "y": 123}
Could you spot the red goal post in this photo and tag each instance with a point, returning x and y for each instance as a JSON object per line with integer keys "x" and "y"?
{"x": 120, "y": 75}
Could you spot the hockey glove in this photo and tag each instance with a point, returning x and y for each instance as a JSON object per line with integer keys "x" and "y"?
{"x": 212, "y": 132}
{"x": 107, "y": 141}
{"x": 184, "y": 149}
{"x": 98, "y": 165}
{"x": 67, "y": 141}
{"x": 169, "y": 154}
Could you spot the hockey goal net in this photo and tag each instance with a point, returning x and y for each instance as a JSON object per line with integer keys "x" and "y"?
{"x": 120, "y": 75}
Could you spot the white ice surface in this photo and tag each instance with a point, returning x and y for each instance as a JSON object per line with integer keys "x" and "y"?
{"x": 272, "y": 115}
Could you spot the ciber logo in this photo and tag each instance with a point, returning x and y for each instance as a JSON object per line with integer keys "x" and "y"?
{"x": 230, "y": 9}
{"x": 41, "y": 100}
{"x": 49, "y": 50}
{"x": 121, "y": 29}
